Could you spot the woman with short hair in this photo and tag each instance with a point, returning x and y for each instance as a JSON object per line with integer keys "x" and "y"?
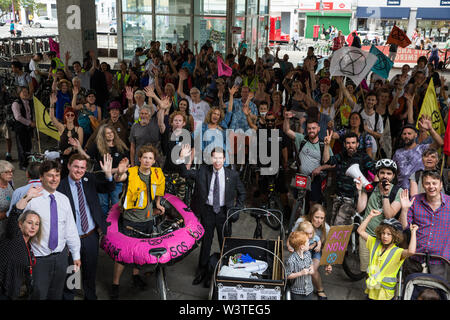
{"x": 6, "y": 191}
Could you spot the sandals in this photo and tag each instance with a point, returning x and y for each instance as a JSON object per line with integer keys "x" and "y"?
{"x": 324, "y": 297}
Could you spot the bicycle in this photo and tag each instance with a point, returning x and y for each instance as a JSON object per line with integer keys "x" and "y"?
{"x": 303, "y": 184}
{"x": 273, "y": 204}
{"x": 351, "y": 263}
{"x": 162, "y": 226}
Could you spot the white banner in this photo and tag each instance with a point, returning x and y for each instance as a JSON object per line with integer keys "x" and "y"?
{"x": 352, "y": 62}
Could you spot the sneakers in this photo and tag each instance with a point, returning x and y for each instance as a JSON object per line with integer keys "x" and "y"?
{"x": 114, "y": 295}
{"x": 138, "y": 282}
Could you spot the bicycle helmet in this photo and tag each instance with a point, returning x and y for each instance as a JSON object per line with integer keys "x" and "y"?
{"x": 386, "y": 163}
{"x": 394, "y": 223}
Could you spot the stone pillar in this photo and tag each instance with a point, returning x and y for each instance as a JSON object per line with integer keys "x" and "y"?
{"x": 77, "y": 28}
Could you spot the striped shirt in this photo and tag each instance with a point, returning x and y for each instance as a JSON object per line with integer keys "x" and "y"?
{"x": 300, "y": 285}
{"x": 434, "y": 226}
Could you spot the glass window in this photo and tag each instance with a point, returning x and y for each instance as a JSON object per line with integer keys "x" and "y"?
{"x": 239, "y": 7}
{"x": 210, "y": 29}
{"x": 136, "y": 5}
{"x": 252, "y": 7}
{"x": 137, "y": 32}
{"x": 263, "y": 6}
{"x": 262, "y": 32}
{"x": 210, "y": 7}
{"x": 173, "y": 6}
{"x": 172, "y": 29}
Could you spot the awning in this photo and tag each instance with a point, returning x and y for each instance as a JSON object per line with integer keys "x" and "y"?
{"x": 433, "y": 13}
{"x": 382, "y": 13}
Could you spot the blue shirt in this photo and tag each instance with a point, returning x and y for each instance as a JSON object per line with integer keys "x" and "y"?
{"x": 74, "y": 190}
{"x": 239, "y": 120}
{"x": 22, "y": 191}
{"x": 63, "y": 98}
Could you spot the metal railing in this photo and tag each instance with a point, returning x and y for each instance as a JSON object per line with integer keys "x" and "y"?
{"x": 20, "y": 46}
{"x": 10, "y": 47}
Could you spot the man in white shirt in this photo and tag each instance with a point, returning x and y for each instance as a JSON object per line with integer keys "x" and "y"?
{"x": 198, "y": 107}
{"x": 373, "y": 122}
{"x": 59, "y": 235}
{"x": 34, "y": 69}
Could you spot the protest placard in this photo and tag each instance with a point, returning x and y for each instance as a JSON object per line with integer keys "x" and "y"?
{"x": 333, "y": 251}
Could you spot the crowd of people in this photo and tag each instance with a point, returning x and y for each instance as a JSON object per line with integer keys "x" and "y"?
{"x": 129, "y": 124}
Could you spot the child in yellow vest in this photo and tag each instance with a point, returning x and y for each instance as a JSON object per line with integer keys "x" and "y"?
{"x": 386, "y": 257}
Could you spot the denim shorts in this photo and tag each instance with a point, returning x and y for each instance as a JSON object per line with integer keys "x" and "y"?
{"x": 315, "y": 255}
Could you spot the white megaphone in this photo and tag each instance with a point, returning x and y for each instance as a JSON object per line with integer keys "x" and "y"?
{"x": 354, "y": 172}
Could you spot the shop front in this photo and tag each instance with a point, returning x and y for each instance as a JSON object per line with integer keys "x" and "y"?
{"x": 380, "y": 20}
{"x": 174, "y": 21}
{"x": 434, "y": 23}
{"x": 341, "y": 20}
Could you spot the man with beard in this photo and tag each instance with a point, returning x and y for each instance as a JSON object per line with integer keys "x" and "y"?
{"x": 385, "y": 198}
{"x": 343, "y": 203}
{"x": 409, "y": 157}
{"x": 311, "y": 154}
{"x": 266, "y": 145}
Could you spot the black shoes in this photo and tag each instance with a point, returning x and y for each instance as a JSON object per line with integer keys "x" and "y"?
{"x": 138, "y": 282}
{"x": 207, "y": 282}
{"x": 199, "y": 277}
{"x": 114, "y": 295}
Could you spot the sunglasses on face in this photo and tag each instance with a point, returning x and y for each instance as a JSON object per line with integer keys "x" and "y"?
{"x": 270, "y": 120}
{"x": 70, "y": 115}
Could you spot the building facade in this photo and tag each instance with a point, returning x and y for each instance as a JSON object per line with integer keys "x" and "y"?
{"x": 431, "y": 17}
{"x": 221, "y": 22}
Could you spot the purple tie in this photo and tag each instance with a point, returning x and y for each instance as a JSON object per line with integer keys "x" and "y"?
{"x": 53, "y": 238}
{"x": 83, "y": 215}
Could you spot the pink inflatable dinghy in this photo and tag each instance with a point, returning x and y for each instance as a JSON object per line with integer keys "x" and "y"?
{"x": 170, "y": 247}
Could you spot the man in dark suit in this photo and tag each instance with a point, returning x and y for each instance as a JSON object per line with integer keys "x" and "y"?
{"x": 81, "y": 188}
{"x": 217, "y": 189}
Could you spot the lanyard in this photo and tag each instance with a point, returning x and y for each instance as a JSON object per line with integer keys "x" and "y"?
{"x": 32, "y": 261}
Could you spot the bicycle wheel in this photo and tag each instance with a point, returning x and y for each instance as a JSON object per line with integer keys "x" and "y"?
{"x": 351, "y": 263}
{"x": 161, "y": 282}
{"x": 274, "y": 203}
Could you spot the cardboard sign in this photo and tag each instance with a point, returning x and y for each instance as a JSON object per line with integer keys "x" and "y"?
{"x": 333, "y": 251}
{"x": 406, "y": 55}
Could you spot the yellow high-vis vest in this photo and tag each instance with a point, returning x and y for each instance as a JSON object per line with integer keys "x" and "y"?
{"x": 382, "y": 275}
{"x": 59, "y": 64}
{"x": 137, "y": 192}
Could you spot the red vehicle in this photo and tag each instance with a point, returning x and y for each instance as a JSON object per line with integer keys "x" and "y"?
{"x": 275, "y": 34}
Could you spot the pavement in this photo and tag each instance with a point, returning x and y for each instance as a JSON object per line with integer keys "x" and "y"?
{"x": 179, "y": 276}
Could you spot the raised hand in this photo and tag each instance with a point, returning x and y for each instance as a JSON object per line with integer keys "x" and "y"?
{"x": 129, "y": 93}
{"x": 123, "y": 166}
{"x": 53, "y": 98}
{"x": 413, "y": 227}
{"x": 328, "y": 137}
{"x": 288, "y": 114}
{"x": 185, "y": 151}
{"x": 67, "y": 55}
{"x": 149, "y": 91}
{"x": 75, "y": 91}
{"x": 425, "y": 122}
{"x": 106, "y": 165}
{"x": 233, "y": 90}
{"x": 374, "y": 213}
{"x": 34, "y": 192}
{"x": 246, "y": 110}
{"x": 166, "y": 103}
{"x": 405, "y": 202}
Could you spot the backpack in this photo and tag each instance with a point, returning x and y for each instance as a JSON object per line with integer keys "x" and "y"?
{"x": 392, "y": 194}
{"x": 377, "y": 118}
{"x": 302, "y": 144}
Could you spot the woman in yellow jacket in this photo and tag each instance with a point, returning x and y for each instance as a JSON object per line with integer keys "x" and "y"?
{"x": 140, "y": 203}
{"x": 386, "y": 257}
